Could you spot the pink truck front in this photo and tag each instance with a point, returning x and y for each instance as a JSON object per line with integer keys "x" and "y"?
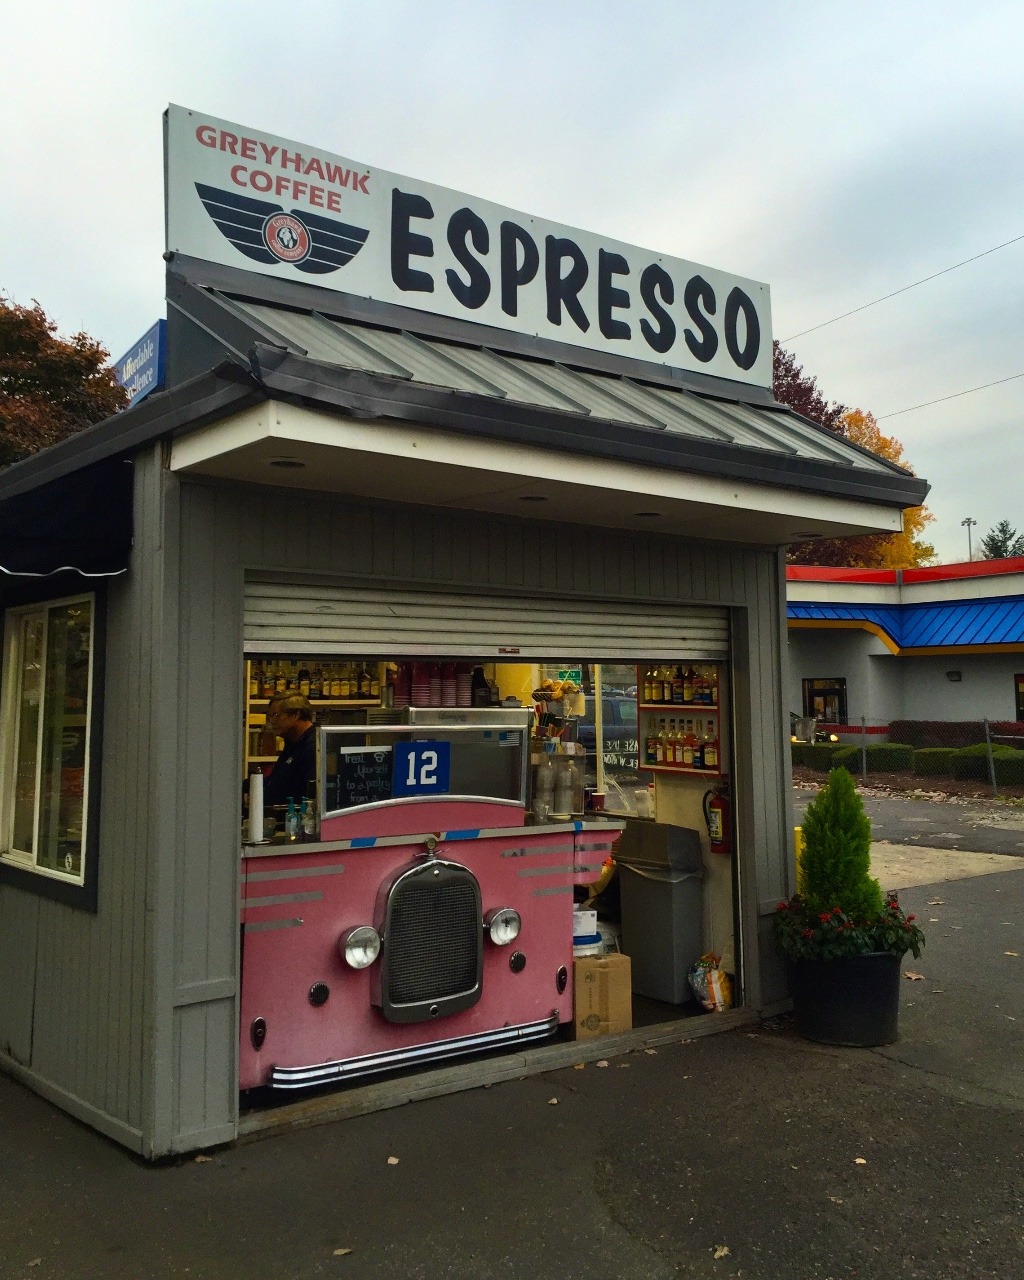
{"x": 431, "y": 918}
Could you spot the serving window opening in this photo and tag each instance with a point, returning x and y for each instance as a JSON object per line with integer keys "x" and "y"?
{"x": 579, "y": 811}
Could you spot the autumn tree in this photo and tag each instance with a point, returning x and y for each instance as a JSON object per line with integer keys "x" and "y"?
{"x": 50, "y": 387}
{"x": 800, "y": 391}
{"x": 1002, "y": 541}
{"x": 792, "y": 386}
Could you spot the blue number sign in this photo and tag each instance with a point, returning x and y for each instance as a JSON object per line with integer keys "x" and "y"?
{"x": 422, "y": 768}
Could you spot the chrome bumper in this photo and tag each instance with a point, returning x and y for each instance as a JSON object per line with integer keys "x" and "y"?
{"x": 414, "y": 1055}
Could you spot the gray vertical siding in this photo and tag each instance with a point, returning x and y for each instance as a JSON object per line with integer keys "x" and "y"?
{"x": 130, "y": 1016}
{"x": 227, "y": 531}
{"x": 73, "y": 1014}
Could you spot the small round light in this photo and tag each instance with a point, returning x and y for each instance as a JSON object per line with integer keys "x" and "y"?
{"x": 503, "y": 924}
{"x": 360, "y": 947}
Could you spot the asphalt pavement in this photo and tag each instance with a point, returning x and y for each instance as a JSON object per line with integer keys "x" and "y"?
{"x": 751, "y": 1154}
{"x": 938, "y": 821}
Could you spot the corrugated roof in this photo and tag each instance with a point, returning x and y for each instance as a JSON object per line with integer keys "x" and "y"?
{"x": 938, "y": 624}
{"x": 434, "y": 362}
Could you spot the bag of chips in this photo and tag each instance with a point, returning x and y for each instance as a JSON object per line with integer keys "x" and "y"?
{"x": 710, "y": 984}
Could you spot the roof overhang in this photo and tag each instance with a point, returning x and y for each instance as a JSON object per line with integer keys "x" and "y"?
{"x": 288, "y": 445}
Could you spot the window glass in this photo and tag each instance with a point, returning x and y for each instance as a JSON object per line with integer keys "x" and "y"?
{"x": 53, "y": 669}
{"x": 30, "y": 678}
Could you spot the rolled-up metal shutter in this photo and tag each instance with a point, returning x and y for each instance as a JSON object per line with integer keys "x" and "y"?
{"x": 317, "y": 618}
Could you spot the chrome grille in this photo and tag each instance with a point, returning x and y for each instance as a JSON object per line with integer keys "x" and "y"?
{"x": 433, "y": 943}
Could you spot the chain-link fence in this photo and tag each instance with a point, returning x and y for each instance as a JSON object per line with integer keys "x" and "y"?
{"x": 983, "y": 753}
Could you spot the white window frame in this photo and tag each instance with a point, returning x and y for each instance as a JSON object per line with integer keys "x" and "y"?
{"x": 10, "y": 718}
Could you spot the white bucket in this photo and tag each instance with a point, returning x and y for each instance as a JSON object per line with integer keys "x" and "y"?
{"x": 584, "y": 923}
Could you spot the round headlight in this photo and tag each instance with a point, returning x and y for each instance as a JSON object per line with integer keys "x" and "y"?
{"x": 503, "y": 925}
{"x": 361, "y": 946}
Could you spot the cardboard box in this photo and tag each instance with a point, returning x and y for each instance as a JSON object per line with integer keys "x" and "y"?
{"x": 603, "y": 995}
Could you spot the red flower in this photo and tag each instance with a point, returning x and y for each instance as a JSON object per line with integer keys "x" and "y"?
{"x": 824, "y": 917}
{"x": 783, "y": 906}
{"x": 808, "y": 933}
{"x": 911, "y": 917}
{"x": 837, "y": 911}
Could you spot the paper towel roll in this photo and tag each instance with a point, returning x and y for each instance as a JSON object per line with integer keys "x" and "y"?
{"x": 256, "y": 808}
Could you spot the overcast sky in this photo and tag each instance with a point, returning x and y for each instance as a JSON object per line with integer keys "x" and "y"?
{"x": 838, "y": 152}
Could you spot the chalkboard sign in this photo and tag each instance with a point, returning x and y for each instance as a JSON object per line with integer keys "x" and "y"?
{"x": 363, "y": 777}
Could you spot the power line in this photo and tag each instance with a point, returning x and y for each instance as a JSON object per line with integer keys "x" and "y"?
{"x": 945, "y": 271}
{"x": 956, "y": 394}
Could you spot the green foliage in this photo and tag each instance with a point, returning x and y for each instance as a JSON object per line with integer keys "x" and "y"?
{"x": 1010, "y": 769}
{"x": 814, "y": 755}
{"x": 971, "y": 763}
{"x": 847, "y": 758}
{"x": 837, "y": 851}
{"x": 890, "y": 757}
{"x": 1001, "y": 541}
{"x": 831, "y": 935}
{"x": 841, "y": 910}
{"x": 934, "y": 761}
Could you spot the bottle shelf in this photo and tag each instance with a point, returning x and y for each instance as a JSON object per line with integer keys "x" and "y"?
{"x": 680, "y": 769}
{"x": 678, "y": 706}
{"x": 321, "y": 702}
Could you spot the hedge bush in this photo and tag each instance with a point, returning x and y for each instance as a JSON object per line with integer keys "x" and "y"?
{"x": 937, "y": 733}
{"x": 971, "y": 763}
{"x": 814, "y": 755}
{"x": 1010, "y": 769}
{"x": 890, "y": 757}
{"x": 934, "y": 761}
{"x": 846, "y": 758}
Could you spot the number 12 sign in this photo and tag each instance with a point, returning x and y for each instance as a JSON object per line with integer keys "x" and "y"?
{"x": 421, "y": 768}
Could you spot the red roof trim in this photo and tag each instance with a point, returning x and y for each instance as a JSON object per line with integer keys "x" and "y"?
{"x": 890, "y": 577}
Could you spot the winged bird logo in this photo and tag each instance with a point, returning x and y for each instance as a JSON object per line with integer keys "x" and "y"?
{"x": 265, "y": 233}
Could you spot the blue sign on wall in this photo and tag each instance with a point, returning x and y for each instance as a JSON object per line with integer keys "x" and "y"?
{"x": 141, "y": 369}
{"x": 422, "y": 768}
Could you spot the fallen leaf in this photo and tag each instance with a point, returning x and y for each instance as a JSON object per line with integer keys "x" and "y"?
{"x": 35, "y": 1262}
{"x": 914, "y": 977}
{"x": 936, "y": 902}
{"x": 602, "y": 1063}
{"x": 650, "y": 1051}
{"x": 938, "y": 991}
{"x": 392, "y": 1159}
{"x": 340, "y": 1253}
{"x": 552, "y": 1102}
{"x": 721, "y": 1251}
{"x": 204, "y": 1160}
{"x": 1011, "y": 953}
{"x": 836, "y": 1199}
{"x": 860, "y": 1160}
{"x": 623, "y": 1064}
{"x": 933, "y": 919}
{"x": 579, "y": 1066}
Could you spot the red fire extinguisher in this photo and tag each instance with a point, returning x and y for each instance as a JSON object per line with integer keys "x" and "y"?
{"x": 716, "y": 815}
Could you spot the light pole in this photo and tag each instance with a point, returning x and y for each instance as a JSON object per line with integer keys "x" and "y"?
{"x": 968, "y": 522}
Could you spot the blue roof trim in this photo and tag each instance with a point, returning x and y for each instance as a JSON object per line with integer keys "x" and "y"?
{"x": 934, "y": 625}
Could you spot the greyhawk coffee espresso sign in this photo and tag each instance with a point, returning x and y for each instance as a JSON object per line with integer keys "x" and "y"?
{"x": 247, "y": 199}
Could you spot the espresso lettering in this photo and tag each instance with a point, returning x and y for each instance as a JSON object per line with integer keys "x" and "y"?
{"x": 514, "y": 273}
{"x": 608, "y": 297}
{"x": 465, "y": 226}
{"x": 656, "y": 280}
{"x": 406, "y": 243}
{"x": 736, "y": 302}
{"x": 696, "y": 294}
{"x": 563, "y": 291}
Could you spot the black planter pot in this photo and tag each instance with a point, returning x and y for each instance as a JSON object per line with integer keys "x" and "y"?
{"x": 852, "y": 1001}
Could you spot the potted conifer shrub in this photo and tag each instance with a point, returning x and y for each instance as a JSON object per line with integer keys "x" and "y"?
{"x": 843, "y": 938}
